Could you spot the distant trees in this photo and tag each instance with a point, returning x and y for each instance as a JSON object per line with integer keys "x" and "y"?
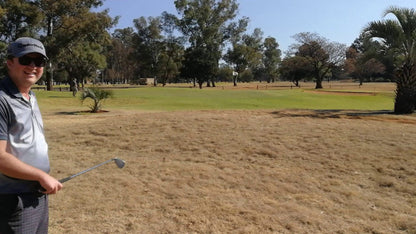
{"x": 252, "y": 56}
{"x": 363, "y": 65}
{"x": 189, "y": 46}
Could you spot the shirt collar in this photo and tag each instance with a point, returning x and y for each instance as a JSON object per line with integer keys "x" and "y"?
{"x": 11, "y": 88}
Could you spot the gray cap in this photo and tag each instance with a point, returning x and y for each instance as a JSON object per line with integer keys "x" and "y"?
{"x": 26, "y": 45}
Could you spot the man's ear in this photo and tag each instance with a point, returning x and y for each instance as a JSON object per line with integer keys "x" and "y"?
{"x": 9, "y": 62}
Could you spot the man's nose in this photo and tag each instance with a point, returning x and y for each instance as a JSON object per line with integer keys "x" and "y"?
{"x": 32, "y": 63}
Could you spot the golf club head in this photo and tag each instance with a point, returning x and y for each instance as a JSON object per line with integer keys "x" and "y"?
{"x": 120, "y": 163}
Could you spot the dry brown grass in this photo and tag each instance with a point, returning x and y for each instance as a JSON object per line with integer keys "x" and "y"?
{"x": 289, "y": 171}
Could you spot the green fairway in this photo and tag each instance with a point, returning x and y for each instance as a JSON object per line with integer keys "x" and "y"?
{"x": 171, "y": 99}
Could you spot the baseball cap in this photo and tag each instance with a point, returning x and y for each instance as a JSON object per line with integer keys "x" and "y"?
{"x": 26, "y": 45}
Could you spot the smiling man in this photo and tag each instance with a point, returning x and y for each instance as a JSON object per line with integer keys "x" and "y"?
{"x": 24, "y": 161}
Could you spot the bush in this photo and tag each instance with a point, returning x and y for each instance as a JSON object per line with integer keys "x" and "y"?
{"x": 97, "y": 95}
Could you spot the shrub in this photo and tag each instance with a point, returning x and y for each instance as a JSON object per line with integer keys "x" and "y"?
{"x": 97, "y": 95}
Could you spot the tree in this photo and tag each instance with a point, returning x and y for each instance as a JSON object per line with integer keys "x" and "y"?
{"x": 363, "y": 50}
{"x": 97, "y": 95}
{"x": 196, "y": 64}
{"x": 362, "y": 66}
{"x": 295, "y": 68}
{"x": 246, "y": 53}
{"x": 207, "y": 26}
{"x": 121, "y": 65}
{"x": 19, "y": 18}
{"x": 85, "y": 62}
{"x": 170, "y": 61}
{"x": 318, "y": 60}
{"x": 63, "y": 26}
{"x": 69, "y": 23}
{"x": 148, "y": 45}
{"x": 85, "y": 40}
{"x": 398, "y": 36}
{"x": 172, "y": 56}
{"x": 323, "y": 56}
{"x": 271, "y": 58}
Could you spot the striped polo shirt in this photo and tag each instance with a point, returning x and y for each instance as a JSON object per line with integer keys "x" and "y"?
{"x": 21, "y": 126}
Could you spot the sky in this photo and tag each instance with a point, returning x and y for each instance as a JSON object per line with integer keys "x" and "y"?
{"x": 336, "y": 20}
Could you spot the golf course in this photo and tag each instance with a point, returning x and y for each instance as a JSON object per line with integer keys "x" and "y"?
{"x": 256, "y": 158}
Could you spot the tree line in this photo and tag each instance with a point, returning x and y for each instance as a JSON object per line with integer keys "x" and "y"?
{"x": 203, "y": 43}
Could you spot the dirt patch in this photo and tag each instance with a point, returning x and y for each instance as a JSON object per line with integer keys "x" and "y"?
{"x": 289, "y": 171}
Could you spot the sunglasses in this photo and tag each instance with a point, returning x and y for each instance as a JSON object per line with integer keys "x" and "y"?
{"x": 38, "y": 61}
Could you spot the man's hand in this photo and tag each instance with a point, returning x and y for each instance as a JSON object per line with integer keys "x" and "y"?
{"x": 49, "y": 184}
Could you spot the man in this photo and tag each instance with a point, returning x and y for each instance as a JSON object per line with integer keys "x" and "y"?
{"x": 24, "y": 162}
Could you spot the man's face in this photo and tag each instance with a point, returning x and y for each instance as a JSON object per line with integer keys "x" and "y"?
{"x": 26, "y": 72}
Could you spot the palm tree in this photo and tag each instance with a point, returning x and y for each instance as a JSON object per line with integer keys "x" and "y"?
{"x": 399, "y": 37}
{"x": 97, "y": 95}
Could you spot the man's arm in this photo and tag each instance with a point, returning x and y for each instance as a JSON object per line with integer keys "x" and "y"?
{"x": 13, "y": 167}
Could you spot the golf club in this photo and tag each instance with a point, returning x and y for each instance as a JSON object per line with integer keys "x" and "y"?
{"x": 120, "y": 164}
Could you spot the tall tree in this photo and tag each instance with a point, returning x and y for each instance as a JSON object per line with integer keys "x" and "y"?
{"x": 271, "y": 58}
{"x": 246, "y": 53}
{"x": 172, "y": 56}
{"x": 206, "y": 24}
{"x": 398, "y": 35}
{"x": 79, "y": 44}
{"x": 67, "y": 23}
{"x": 148, "y": 45}
{"x": 120, "y": 62}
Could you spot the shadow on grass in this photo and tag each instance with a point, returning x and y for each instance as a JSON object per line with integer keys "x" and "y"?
{"x": 85, "y": 112}
{"x": 324, "y": 114}
{"x": 377, "y": 115}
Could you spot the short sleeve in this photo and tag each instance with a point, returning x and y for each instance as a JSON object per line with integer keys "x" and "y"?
{"x": 4, "y": 119}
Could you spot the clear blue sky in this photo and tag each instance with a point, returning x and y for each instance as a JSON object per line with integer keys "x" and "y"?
{"x": 337, "y": 20}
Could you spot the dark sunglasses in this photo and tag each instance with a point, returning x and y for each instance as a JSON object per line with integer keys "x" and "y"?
{"x": 38, "y": 61}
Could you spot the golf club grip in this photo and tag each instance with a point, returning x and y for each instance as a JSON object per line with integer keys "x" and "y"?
{"x": 41, "y": 189}
{"x": 65, "y": 179}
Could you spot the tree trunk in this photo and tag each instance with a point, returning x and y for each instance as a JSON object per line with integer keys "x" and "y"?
{"x": 318, "y": 84}
{"x": 49, "y": 79}
{"x": 405, "y": 102}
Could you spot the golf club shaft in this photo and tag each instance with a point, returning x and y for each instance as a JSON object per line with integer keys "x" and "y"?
{"x": 82, "y": 172}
